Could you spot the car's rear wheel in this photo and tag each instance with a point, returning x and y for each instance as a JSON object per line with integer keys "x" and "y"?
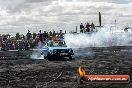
{"x": 49, "y": 56}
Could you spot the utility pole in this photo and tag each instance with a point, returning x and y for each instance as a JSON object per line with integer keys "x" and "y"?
{"x": 100, "y": 19}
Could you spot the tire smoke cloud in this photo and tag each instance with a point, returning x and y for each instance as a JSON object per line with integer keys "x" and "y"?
{"x": 105, "y": 37}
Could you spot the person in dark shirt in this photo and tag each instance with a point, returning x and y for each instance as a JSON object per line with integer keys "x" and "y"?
{"x": 87, "y": 27}
{"x": 29, "y": 35}
{"x": 3, "y": 46}
{"x": 45, "y": 35}
{"x": 20, "y": 45}
{"x": 54, "y": 34}
{"x": 26, "y": 45}
{"x": 81, "y": 28}
{"x": 50, "y": 35}
{"x": 41, "y": 37}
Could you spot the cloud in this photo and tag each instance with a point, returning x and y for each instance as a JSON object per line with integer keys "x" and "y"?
{"x": 10, "y": 4}
{"x": 18, "y": 13}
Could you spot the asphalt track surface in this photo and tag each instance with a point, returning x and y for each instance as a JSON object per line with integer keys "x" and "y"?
{"x": 29, "y": 73}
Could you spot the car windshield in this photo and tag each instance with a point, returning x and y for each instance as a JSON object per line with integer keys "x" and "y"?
{"x": 56, "y": 44}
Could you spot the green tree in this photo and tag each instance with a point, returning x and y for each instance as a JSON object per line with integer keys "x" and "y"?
{"x": 34, "y": 35}
{"x": 17, "y": 36}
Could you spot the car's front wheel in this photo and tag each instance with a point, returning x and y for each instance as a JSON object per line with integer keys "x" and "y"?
{"x": 49, "y": 56}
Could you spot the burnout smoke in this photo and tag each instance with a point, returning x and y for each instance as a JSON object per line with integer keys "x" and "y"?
{"x": 103, "y": 38}
{"x": 37, "y": 53}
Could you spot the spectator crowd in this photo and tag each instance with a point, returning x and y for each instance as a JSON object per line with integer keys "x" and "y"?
{"x": 86, "y": 27}
{"x": 28, "y": 41}
{"x": 32, "y": 40}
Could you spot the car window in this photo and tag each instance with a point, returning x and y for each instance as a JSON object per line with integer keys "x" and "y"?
{"x": 55, "y": 44}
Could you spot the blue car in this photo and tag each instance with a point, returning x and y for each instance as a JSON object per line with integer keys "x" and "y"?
{"x": 54, "y": 50}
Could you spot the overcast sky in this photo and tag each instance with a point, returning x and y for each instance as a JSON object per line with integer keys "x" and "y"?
{"x": 21, "y": 15}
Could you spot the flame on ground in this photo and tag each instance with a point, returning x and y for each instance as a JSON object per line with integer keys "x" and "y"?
{"x": 81, "y": 71}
